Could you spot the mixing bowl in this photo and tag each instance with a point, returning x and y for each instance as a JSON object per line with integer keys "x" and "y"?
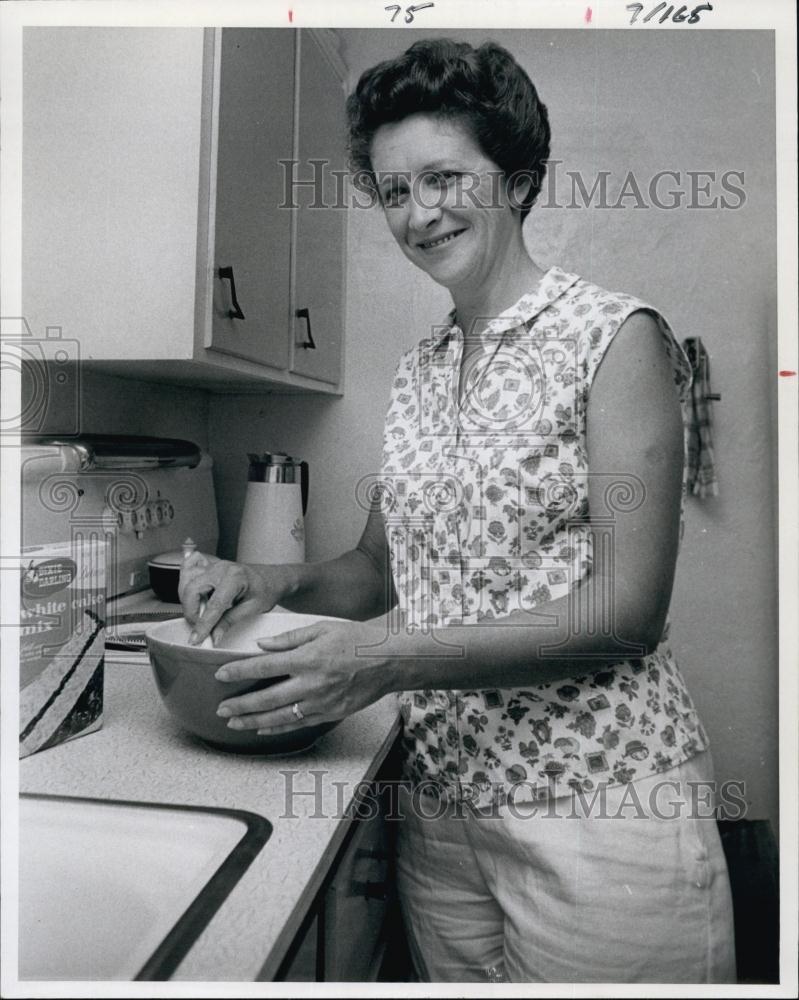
{"x": 185, "y": 678}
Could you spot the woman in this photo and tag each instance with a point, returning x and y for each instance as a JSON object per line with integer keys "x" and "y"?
{"x": 525, "y": 527}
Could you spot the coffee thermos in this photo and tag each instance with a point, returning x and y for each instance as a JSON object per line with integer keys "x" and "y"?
{"x": 272, "y": 528}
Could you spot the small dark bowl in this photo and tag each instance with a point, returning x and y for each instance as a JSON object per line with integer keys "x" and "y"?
{"x": 185, "y": 679}
{"x": 165, "y": 576}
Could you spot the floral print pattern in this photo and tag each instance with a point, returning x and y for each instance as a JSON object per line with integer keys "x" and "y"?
{"x": 483, "y": 489}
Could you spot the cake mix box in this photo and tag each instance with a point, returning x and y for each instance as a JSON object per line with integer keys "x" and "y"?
{"x": 62, "y": 640}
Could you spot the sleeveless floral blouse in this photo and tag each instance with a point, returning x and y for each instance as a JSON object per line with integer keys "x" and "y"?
{"x": 484, "y": 494}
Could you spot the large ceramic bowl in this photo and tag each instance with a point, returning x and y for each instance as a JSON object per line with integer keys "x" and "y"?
{"x": 185, "y": 678}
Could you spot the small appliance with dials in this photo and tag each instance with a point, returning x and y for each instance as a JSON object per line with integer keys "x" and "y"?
{"x": 141, "y": 495}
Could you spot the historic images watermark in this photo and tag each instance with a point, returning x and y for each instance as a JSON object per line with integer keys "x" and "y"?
{"x": 309, "y": 794}
{"x": 419, "y": 509}
{"x": 88, "y": 511}
{"x": 320, "y": 186}
{"x": 50, "y": 375}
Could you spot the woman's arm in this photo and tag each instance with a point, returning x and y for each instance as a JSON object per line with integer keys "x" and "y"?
{"x": 634, "y": 429}
{"x": 355, "y": 585}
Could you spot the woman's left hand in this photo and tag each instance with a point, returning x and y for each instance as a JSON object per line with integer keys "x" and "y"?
{"x": 334, "y": 668}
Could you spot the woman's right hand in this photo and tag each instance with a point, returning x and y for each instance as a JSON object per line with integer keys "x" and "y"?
{"x": 228, "y": 592}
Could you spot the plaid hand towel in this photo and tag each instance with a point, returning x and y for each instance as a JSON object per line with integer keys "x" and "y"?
{"x": 702, "y": 480}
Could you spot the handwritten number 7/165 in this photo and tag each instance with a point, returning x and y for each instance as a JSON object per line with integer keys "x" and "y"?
{"x": 409, "y": 11}
{"x": 677, "y": 16}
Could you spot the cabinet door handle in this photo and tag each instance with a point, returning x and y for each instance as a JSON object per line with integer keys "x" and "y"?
{"x": 370, "y": 890}
{"x": 372, "y": 854}
{"x": 226, "y": 274}
{"x": 306, "y": 315}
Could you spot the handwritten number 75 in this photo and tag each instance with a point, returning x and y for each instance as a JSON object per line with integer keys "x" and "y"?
{"x": 409, "y": 11}
{"x": 676, "y": 15}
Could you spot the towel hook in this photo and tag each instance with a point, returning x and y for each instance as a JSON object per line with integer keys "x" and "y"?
{"x": 710, "y": 396}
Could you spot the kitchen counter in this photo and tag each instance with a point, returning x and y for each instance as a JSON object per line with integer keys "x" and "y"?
{"x": 140, "y": 754}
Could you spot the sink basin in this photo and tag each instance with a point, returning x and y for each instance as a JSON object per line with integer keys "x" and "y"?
{"x": 121, "y": 890}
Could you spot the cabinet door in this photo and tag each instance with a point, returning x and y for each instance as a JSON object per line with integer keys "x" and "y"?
{"x": 303, "y": 967}
{"x": 356, "y": 906}
{"x": 252, "y": 231}
{"x": 321, "y": 217}
{"x": 110, "y": 187}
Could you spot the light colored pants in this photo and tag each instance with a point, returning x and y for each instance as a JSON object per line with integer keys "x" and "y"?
{"x": 555, "y": 897}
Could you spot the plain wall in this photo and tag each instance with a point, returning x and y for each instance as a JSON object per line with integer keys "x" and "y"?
{"x": 666, "y": 100}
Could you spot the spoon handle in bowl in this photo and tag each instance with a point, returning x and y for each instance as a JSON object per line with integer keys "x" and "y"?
{"x": 207, "y": 642}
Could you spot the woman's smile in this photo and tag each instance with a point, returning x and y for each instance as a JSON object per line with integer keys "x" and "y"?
{"x": 440, "y": 241}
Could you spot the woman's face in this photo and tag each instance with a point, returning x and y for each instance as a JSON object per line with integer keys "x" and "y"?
{"x": 445, "y": 201}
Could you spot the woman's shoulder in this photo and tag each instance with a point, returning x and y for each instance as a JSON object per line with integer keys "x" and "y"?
{"x": 582, "y": 311}
{"x": 600, "y": 313}
{"x": 586, "y": 296}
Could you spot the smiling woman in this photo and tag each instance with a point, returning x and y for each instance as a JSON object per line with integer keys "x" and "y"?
{"x": 456, "y": 224}
{"x": 523, "y": 536}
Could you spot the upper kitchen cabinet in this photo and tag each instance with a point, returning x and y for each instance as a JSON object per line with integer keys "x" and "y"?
{"x": 158, "y": 229}
{"x": 320, "y": 222}
{"x": 255, "y": 130}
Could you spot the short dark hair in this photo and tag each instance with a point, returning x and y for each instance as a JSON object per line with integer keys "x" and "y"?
{"x": 484, "y": 87}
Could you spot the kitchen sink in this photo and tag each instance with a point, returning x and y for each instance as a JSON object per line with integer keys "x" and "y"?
{"x": 114, "y": 890}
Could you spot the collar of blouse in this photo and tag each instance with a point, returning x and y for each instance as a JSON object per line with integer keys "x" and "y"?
{"x": 551, "y": 286}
